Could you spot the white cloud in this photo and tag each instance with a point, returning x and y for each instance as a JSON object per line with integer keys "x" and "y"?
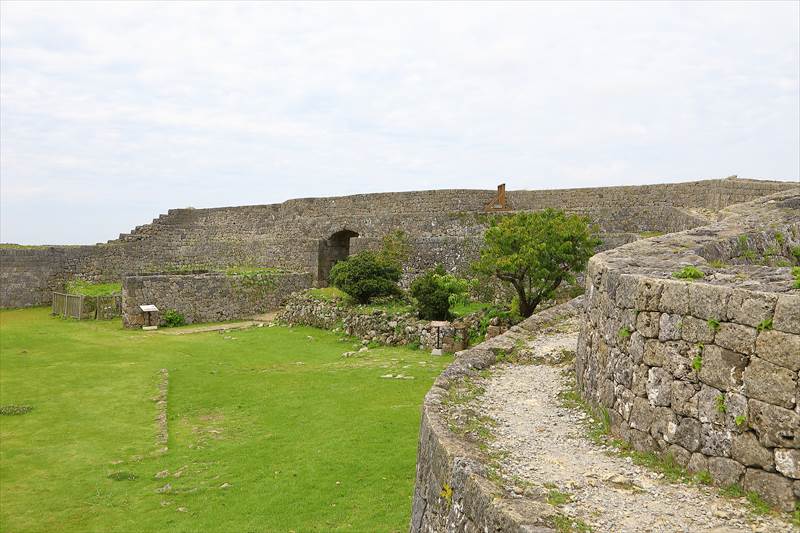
{"x": 154, "y": 105}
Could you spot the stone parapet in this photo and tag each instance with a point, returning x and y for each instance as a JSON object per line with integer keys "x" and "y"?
{"x": 704, "y": 369}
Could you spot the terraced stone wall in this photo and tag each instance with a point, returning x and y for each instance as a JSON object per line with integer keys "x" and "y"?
{"x": 704, "y": 369}
{"x": 207, "y": 297}
{"x": 444, "y": 226}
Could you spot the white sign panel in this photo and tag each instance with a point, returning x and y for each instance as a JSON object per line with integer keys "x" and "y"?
{"x": 148, "y": 308}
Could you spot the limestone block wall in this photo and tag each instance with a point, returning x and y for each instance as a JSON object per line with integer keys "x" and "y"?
{"x": 445, "y": 226}
{"x": 706, "y": 370}
{"x": 207, "y": 297}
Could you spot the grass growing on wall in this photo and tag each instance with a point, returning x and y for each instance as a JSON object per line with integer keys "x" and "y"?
{"x": 270, "y": 429}
{"x": 78, "y": 286}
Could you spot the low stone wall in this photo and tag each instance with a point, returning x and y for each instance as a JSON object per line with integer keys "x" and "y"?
{"x": 706, "y": 370}
{"x": 377, "y": 326}
{"x": 207, "y": 297}
{"x": 452, "y": 491}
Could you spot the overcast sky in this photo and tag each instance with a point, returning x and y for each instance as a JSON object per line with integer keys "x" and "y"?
{"x": 111, "y": 113}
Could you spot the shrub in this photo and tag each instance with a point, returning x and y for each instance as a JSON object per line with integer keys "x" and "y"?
{"x": 688, "y": 272}
{"x": 796, "y": 276}
{"x": 172, "y": 318}
{"x": 435, "y": 291}
{"x": 366, "y": 275}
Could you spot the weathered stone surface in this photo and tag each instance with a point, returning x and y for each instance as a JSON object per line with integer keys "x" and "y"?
{"x": 659, "y": 387}
{"x": 680, "y": 454}
{"x": 669, "y": 327}
{"x": 774, "y": 488}
{"x": 715, "y": 440}
{"x": 747, "y": 450}
{"x": 708, "y": 301}
{"x": 722, "y": 368}
{"x": 648, "y": 294}
{"x": 725, "y": 471}
{"x": 787, "y": 462}
{"x": 684, "y": 399}
{"x": 654, "y": 353}
{"x": 775, "y": 426}
{"x": 647, "y": 323}
{"x": 642, "y": 442}
{"x": 787, "y": 313}
{"x": 737, "y": 338}
{"x": 639, "y": 380}
{"x": 626, "y": 291}
{"x": 771, "y": 383}
{"x": 750, "y": 307}
{"x": 674, "y": 297}
{"x": 696, "y": 330}
{"x": 697, "y": 463}
{"x": 685, "y": 433}
{"x": 779, "y": 348}
{"x": 663, "y": 420}
{"x": 735, "y": 411}
{"x": 641, "y": 415}
{"x": 636, "y": 347}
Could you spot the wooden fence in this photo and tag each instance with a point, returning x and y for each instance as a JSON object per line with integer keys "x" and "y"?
{"x": 87, "y": 307}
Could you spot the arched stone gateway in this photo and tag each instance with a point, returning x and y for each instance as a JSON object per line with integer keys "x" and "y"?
{"x": 332, "y": 250}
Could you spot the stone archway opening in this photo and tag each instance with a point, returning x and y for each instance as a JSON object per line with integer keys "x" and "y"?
{"x": 332, "y": 250}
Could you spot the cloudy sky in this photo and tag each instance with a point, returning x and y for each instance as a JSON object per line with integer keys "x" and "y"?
{"x": 111, "y": 113}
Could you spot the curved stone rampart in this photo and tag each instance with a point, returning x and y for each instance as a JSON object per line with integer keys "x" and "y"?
{"x": 452, "y": 490}
{"x": 704, "y": 369}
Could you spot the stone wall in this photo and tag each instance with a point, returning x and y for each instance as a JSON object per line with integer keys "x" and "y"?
{"x": 207, "y": 297}
{"x": 395, "y": 329}
{"x": 445, "y": 226}
{"x": 706, "y": 370}
{"x": 452, "y": 491}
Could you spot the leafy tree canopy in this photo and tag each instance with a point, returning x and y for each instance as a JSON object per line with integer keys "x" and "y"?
{"x": 366, "y": 275}
{"x": 536, "y": 252}
{"x": 436, "y": 291}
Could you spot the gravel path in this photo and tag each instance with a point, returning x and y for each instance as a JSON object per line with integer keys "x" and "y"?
{"x": 546, "y": 446}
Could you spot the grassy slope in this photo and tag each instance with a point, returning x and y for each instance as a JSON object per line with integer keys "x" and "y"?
{"x": 280, "y": 417}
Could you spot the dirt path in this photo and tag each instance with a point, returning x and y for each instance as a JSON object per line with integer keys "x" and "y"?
{"x": 546, "y": 447}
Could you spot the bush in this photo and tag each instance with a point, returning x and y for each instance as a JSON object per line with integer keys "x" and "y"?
{"x": 174, "y": 318}
{"x": 366, "y": 275}
{"x": 435, "y": 291}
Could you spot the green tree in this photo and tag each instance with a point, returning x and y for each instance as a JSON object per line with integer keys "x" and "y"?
{"x": 435, "y": 292}
{"x": 536, "y": 252}
{"x": 365, "y": 276}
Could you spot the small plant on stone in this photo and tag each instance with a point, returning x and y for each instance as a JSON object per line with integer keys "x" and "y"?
{"x": 713, "y": 324}
{"x": 697, "y": 362}
{"x": 624, "y": 332}
{"x": 718, "y": 264}
{"x": 719, "y": 402}
{"x": 447, "y": 494}
{"x": 764, "y": 325}
{"x": 703, "y": 477}
{"x": 796, "y": 276}
{"x": 779, "y": 238}
{"x": 740, "y": 420}
{"x": 757, "y": 503}
{"x": 688, "y": 272}
{"x": 172, "y": 318}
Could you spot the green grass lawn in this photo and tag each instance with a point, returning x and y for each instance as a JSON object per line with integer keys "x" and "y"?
{"x": 304, "y": 439}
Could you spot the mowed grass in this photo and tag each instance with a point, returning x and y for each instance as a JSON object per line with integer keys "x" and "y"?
{"x": 300, "y": 438}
